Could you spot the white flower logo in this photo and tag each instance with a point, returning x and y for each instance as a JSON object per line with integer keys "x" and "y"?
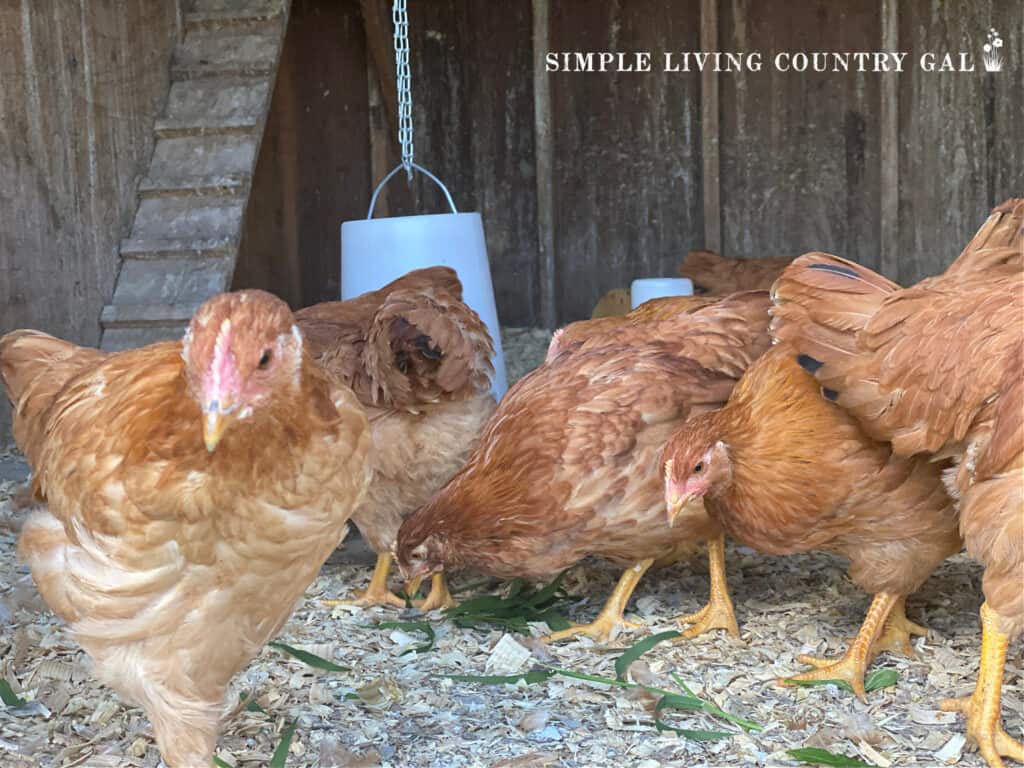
{"x": 992, "y": 57}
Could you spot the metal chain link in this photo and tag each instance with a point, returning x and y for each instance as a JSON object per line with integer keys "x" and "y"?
{"x": 400, "y": 17}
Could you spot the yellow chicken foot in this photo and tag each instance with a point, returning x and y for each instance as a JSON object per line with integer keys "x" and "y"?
{"x": 895, "y": 637}
{"x": 439, "y": 596}
{"x": 718, "y": 613}
{"x": 377, "y": 593}
{"x": 611, "y": 615}
{"x": 982, "y": 708}
{"x": 850, "y": 668}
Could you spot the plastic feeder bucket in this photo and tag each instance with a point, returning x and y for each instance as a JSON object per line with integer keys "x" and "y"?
{"x": 376, "y": 251}
{"x": 658, "y": 287}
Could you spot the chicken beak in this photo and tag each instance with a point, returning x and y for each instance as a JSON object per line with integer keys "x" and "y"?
{"x": 215, "y": 423}
{"x": 675, "y": 506}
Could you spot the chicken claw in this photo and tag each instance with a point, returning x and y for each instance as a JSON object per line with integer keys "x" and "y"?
{"x": 982, "y": 708}
{"x": 895, "y": 637}
{"x": 612, "y": 615}
{"x": 439, "y": 596}
{"x": 851, "y": 666}
{"x": 718, "y": 613}
{"x": 377, "y": 593}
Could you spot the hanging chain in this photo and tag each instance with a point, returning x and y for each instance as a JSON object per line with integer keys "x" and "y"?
{"x": 400, "y": 17}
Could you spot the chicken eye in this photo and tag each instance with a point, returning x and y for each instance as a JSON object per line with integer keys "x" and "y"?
{"x": 264, "y": 360}
{"x": 699, "y": 467}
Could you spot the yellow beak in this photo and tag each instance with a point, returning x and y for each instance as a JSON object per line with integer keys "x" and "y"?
{"x": 215, "y": 423}
{"x": 675, "y": 506}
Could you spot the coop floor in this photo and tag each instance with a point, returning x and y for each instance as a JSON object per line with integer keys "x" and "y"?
{"x": 400, "y": 710}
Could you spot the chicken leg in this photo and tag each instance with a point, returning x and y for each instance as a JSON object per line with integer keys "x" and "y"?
{"x": 611, "y": 615}
{"x": 718, "y": 613}
{"x": 850, "y": 668}
{"x": 895, "y": 637}
{"x": 439, "y": 596}
{"x": 377, "y": 593}
{"x": 982, "y": 707}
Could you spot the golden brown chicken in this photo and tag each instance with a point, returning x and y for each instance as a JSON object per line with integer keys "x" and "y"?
{"x": 720, "y": 275}
{"x": 187, "y": 494}
{"x": 938, "y": 370}
{"x": 568, "y": 465}
{"x": 651, "y": 311}
{"x": 615, "y": 303}
{"x": 419, "y": 360}
{"x": 784, "y": 471}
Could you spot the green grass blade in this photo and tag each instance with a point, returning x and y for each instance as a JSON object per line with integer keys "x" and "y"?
{"x": 638, "y": 649}
{"x": 713, "y": 709}
{"x": 815, "y": 756}
{"x": 531, "y": 677}
{"x": 590, "y": 678}
{"x": 251, "y": 705}
{"x": 281, "y": 753}
{"x": 675, "y": 701}
{"x": 881, "y": 678}
{"x": 686, "y": 733}
{"x": 309, "y": 658}
{"x": 8, "y": 696}
{"x": 415, "y": 626}
{"x": 549, "y": 592}
{"x": 221, "y": 763}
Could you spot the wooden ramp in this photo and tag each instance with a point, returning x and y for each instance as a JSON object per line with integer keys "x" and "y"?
{"x": 184, "y": 240}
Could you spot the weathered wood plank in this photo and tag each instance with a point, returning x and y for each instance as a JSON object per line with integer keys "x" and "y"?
{"x": 889, "y": 152}
{"x": 472, "y": 83}
{"x": 710, "y": 134}
{"x": 544, "y": 158}
{"x": 313, "y": 170}
{"x": 800, "y": 151}
{"x": 82, "y": 85}
{"x": 628, "y": 200}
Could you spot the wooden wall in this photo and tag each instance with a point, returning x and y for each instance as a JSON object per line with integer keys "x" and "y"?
{"x": 81, "y": 82}
{"x": 588, "y": 180}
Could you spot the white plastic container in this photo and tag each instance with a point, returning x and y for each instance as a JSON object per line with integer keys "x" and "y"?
{"x": 376, "y": 251}
{"x": 657, "y": 287}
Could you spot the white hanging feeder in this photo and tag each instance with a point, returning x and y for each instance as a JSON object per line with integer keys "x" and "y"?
{"x": 376, "y": 251}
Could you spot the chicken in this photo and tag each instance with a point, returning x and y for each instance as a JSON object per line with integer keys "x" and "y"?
{"x": 186, "y": 495}
{"x": 419, "y": 360}
{"x": 653, "y": 310}
{"x": 784, "y": 471}
{"x": 615, "y": 303}
{"x": 938, "y": 370}
{"x": 720, "y": 275}
{"x": 568, "y": 465}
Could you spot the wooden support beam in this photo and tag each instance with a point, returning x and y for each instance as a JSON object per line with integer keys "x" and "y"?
{"x": 710, "y": 134}
{"x": 382, "y": 138}
{"x": 544, "y": 159}
{"x": 889, "y": 153}
{"x": 380, "y": 44}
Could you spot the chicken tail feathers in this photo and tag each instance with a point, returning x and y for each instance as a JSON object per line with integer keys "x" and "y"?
{"x": 34, "y": 367}
{"x": 426, "y": 346}
{"x": 999, "y": 244}
{"x": 821, "y": 302}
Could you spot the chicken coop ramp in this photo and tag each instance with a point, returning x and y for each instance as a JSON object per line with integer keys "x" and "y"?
{"x": 184, "y": 240}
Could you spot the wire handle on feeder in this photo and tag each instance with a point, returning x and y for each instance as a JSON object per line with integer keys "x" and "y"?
{"x": 400, "y": 18}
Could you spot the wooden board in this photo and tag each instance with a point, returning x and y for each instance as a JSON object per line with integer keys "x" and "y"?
{"x": 627, "y": 173}
{"x": 800, "y": 151}
{"x": 82, "y": 84}
{"x": 472, "y": 83}
{"x": 962, "y": 131}
{"x": 314, "y": 167}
